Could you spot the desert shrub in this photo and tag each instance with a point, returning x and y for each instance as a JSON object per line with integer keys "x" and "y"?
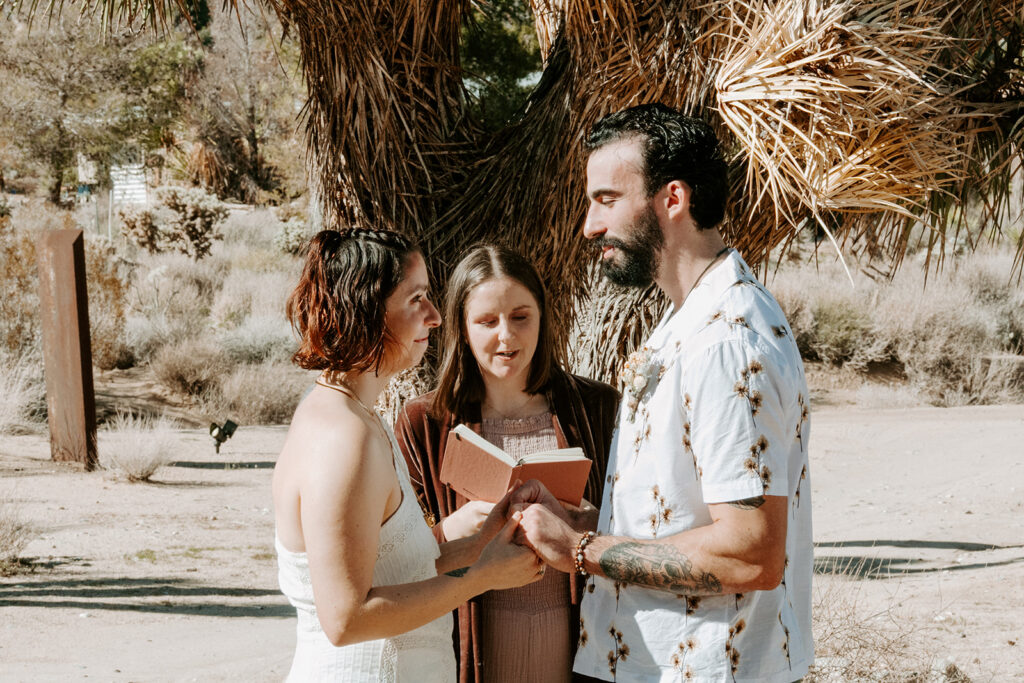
{"x": 259, "y": 338}
{"x": 108, "y": 278}
{"x": 261, "y": 394}
{"x": 853, "y": 643}
{"x": 135, "y": 447}
{"x": 196, "y": 215}
{"x": 251, "y": 228}
{"x": 292, "y": 236}
{"x": 247, "y": 293}
{"x": 19, "y": 305}
{"x": 23, "y": 399}
{"x": 5, "y": 209}
{"x": 840, "y": 330}
{"x": 958, "y": 338}
{"x": 140, "y": 227}
{"x": 207, "y": 277}
{"x": 15, "y": 535}
{"x": 192, "y": 367}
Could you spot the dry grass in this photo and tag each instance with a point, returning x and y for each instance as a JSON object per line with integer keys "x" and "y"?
{"x": 853, "y": 643}
{"x": 959, "y": 337}
{"x": 258, "y": 339}
{"x": 23, "y": 398}
{"x": 15, "y": 534}
{"x": 266, "y": 393}
{"x": 136, "y": 447}
{"x": 191, "y": 367}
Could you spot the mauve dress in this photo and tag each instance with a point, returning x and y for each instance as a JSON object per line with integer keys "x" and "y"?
{"x": 525, "y": 631}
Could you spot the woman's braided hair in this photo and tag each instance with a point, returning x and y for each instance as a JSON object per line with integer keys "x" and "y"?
{"x": 339, "y": 306}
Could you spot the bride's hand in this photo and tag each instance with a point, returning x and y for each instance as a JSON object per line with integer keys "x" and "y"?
{"x": 505, "y": 564}
{"x": 468, "y": 520}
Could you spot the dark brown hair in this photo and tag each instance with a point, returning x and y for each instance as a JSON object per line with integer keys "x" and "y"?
{"x": 675, "y": 147}
{"x": 339, "y": 306}
{"x": 459, "y": 382}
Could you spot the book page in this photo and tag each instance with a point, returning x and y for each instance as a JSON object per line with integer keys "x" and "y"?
{"x": 558, "y": 455}
{"x": 464, "y": 432}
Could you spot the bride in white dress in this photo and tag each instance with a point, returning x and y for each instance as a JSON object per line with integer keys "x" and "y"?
{"x": 372, "y": 588}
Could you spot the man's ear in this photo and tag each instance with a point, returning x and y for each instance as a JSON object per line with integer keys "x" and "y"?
{"x": 677, "y": 199}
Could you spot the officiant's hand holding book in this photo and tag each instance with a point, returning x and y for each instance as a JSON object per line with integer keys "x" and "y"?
{"x": 479, "y": 470}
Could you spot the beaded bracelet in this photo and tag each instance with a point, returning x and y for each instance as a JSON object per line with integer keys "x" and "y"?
{"x": 581, "y": 545}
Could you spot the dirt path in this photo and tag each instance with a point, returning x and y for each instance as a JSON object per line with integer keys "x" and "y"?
{"x": 176, "y": 580}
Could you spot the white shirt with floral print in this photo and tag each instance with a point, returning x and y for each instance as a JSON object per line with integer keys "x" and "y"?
{"x": 721, "y": 417}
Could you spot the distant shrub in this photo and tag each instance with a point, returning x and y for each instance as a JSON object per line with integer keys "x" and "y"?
{"x": 258, "y": 339}
{"x": 958, "y": 340}
{"x": 255, "y": 227}
{"x": 140, "y": 227}
{"x": 196, "y": 215}
{"x": 19, "y": 305}
{"x": 192, "y": 367}
{"x": 108, "y": 279}
{"x": 262, "y": 394}
{"x": 292, "y": 236}
{"x": 136, "y": 447}
{"x": 5, "y": 209}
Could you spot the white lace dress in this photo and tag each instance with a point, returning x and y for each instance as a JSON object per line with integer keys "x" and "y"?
{"x": 405, "y": 553}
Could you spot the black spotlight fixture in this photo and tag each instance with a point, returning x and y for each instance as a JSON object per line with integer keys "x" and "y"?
{"x": 222, "y": 434}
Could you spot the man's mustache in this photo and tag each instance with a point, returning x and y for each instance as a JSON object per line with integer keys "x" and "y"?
{"x": 602, "y": 242}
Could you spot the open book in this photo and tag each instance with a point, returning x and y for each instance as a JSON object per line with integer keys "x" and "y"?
{"x": 479, "y": 470}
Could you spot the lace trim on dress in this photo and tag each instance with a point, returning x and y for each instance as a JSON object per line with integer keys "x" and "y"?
{"x": 516, "y": 425}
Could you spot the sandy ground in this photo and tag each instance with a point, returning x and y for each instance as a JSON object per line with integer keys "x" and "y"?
{"x": 176, "y": 579}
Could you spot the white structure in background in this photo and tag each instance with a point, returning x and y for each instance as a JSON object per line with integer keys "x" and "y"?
{"x": 88, "y": 174}
{"x": 128, "y": 184}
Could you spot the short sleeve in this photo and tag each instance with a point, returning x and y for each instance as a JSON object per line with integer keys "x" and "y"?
{"x": 735, "y": 414}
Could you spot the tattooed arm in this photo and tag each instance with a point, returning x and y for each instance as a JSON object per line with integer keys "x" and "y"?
{"x": 743, "y": 549}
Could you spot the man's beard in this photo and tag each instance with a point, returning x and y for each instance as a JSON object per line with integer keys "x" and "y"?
{"x": 636, "y": 260}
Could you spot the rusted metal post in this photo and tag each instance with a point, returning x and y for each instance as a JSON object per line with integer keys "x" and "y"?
{"x": 64, "y": 312}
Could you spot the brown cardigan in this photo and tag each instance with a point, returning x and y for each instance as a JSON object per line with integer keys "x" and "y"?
{"x": 584, "y": 416}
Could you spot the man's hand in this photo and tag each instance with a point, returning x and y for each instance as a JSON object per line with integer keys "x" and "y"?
{"x": 534, "y": 492}
{"x": 550, "y": 536}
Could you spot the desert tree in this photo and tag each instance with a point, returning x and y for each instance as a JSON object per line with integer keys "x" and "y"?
{"x": 858, "y": 118}
{"x": 70, "y": 89}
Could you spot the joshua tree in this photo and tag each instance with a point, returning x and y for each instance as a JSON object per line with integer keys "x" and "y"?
{"x": 861, "y": 118}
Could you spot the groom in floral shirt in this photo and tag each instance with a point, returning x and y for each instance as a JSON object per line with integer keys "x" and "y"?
{"x": 701, "y": 567}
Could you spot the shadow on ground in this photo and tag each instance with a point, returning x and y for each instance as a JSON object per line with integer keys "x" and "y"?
{"x": 879, "y": 567}
{"x": 127, "y": 594}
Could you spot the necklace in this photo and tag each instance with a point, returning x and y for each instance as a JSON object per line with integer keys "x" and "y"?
{"x": 342, "y": 388}
{"x": 703, "y": 273}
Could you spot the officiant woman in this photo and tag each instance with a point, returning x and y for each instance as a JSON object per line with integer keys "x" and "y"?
{"x": 501, "y": 375}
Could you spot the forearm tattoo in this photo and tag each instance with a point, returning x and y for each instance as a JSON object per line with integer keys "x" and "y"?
{"x": 457, "y": 572}
{"x": 657, "y": 566}
{"x": 748, "y": 503}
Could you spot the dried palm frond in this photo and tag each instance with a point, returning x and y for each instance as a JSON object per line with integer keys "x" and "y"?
{"x": 203, "y": 166}
{"x": 612, "y": 323}
{"x": 864, "y": 118}
{"x": 835, "y": 110}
